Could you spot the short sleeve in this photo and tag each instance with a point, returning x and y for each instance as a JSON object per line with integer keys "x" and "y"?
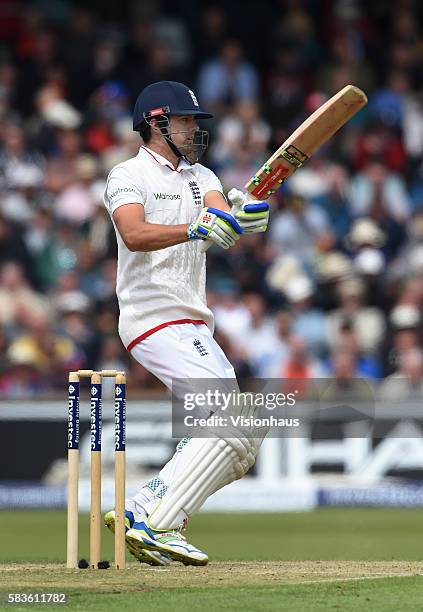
{"x": 208, "y": 180}
{"x": 122, "y": 189}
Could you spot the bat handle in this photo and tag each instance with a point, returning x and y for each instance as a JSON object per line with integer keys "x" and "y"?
{"x": 237, "y": 199}
{"x": 206, "y": 244}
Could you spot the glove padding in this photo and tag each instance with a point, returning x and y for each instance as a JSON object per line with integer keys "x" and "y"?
{"x": 252, "y": 216}
{"x": 217, "y": 226}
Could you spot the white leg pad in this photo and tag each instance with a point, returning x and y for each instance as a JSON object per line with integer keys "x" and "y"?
{"x": 215, "y": 463}
{"x": 215, "y": 458}
{"x": 241, "y": 468}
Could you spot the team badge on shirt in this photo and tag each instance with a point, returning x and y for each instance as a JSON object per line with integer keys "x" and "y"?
{"x": 196, "y": 193}
{"x": 200, "y": 348}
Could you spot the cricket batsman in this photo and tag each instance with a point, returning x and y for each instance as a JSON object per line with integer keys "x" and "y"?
{"x": 164, "y": 206}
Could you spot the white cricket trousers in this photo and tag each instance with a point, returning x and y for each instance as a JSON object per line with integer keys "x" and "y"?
{"x": 177, "y": 351}
{"x": 174, "y": 352}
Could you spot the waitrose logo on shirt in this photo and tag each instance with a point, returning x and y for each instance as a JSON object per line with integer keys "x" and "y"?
{"x": 121, "y": 190}
{"x": 167, "y": 196}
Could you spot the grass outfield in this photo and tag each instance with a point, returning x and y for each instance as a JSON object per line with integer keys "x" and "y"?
{"x": 329, "y": 559}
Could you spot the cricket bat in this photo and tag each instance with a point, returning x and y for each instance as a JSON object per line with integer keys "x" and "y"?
{"x": 307, "y": 138}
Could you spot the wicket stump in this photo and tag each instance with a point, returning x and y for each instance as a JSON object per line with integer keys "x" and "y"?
{"x": 73, "y": 465}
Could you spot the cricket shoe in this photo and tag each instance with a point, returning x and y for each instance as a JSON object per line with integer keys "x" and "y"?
{"x": 141, "y": 537}
{"x": 143, "y": 556}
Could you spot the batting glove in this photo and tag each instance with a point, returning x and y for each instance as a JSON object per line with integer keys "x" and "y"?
{"x": 217, "y": 226}
{"x": 252, "y": 216}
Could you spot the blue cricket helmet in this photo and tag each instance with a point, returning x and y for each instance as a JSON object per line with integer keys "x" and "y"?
{"x": 166, "y": 98}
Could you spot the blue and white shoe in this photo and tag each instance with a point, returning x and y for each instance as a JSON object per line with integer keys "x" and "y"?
{"x": 143, "y": 556}
{"x": 141, "y": 537}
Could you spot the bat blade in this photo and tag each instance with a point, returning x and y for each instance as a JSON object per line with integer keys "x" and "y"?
{"x": 306, "y": 139}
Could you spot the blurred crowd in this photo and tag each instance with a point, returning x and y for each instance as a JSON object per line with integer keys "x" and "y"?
{"x": 334, "y": 288}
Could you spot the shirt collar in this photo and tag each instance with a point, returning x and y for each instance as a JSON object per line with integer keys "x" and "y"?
{"x": 183, "y": 164}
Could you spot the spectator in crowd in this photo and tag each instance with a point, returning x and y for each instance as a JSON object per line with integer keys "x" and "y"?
{"x": 126, "y": 143}
{"x": 404, "y": 336}
{"x": 347, "y": 353}
{"x": 260, "y": 340}
{"x": 308, "y": 321}
{"x": 231, "y": 315}
{"x": 298, "y": 369}
{"x": 227, "y": 79}
{"x": 20, "y": 378}
{"x": 326, "y": 186}
{"x": 346, "y": 395}
{"x": 379, "y": 193}
{"x": 243, "y": 129}
{"x": 51, "y": 353}
{"x": 76, "y": 202}
{"x": 299, "y": 363}
{"x": 301, "y": 229}
{"x": 367, "y": 322}
{"x": 406, "y": 383}
{"x": 17, "y": 298}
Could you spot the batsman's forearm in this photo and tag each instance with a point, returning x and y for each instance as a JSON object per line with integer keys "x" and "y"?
{"x": 153, "y": 237}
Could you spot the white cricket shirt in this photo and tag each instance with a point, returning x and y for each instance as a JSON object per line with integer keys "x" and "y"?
{"x": 164, "y": 287}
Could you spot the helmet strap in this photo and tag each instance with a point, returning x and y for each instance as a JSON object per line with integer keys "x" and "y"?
{"x": 172, "y": 145}
{"x": 162, "y": 123}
